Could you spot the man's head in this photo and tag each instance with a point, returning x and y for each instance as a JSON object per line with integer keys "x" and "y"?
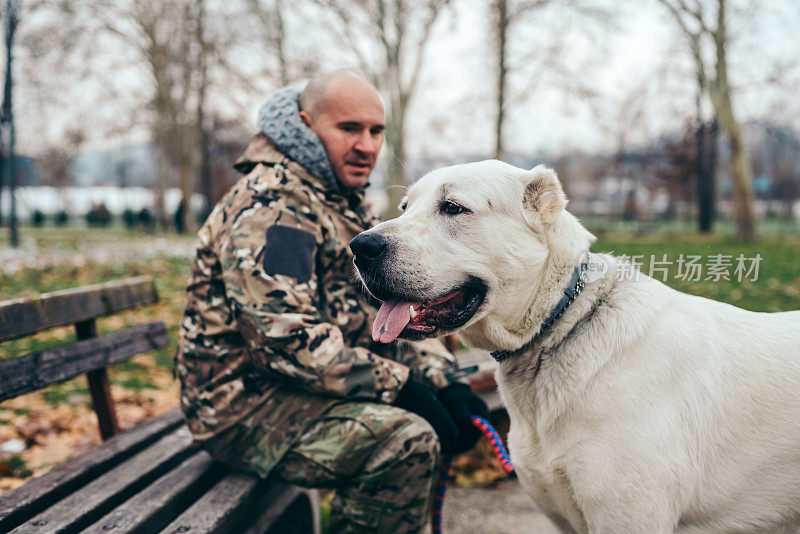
{"x": 345, "y": 110}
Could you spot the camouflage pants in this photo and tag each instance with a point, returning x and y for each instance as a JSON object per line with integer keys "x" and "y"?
{"x": 382, "y": 461}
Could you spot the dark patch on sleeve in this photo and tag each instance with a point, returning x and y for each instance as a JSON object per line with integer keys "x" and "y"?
{"x": 290, "y": 252}
{"x": 314, "y": 345}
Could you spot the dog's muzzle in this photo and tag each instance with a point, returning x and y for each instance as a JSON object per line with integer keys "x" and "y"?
{"x": 368, "y": 248}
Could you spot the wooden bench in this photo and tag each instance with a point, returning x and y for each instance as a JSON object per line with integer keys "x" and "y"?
{"x": 151, "y": 478}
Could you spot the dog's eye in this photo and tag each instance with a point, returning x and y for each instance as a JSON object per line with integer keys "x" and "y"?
{"x": 451, "y": 208}
{"x": 403, "y": 205}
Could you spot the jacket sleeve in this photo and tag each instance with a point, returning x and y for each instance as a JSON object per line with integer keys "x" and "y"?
{"x": 268, "y": 263}
{"x": 430, "y": 362}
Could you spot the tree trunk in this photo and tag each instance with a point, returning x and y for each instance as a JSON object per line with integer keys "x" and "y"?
{"x": 161, "y": 187}
{"x": 7, "y": 127}
{"x": 206, "y": 183}
{"x": 1, "y": 187}
{"x": 501, "y": 12}
{"x": 280, "y": 43}
{"x": 395, "y": 133}
{"x": 741, "y": 170}
{"x": 742, "y": 176}
{"x": 185, "y": 224}
{"x": 396, "y": 183}
{"x": 206, "y": 186}
{"x": 706, "y": 159}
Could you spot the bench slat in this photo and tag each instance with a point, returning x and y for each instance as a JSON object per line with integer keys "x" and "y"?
{"x": 18, "y": 505}
{"x": 283, "y": 505}
{"x": 22, "y": 317}
{"x": 37, "y": 370}
{"x": 82, "y": 508}
{"x": 219, "y": 508}
{"x": 151, "y": 509}
{"x": 279, "y": 497}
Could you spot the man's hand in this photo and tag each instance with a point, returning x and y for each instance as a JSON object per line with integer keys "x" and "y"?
{"x": 462, "y": 404}
{"x": 418, "y": 399}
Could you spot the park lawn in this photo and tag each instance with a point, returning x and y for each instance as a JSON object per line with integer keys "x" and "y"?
{"x": 776, "y": 287}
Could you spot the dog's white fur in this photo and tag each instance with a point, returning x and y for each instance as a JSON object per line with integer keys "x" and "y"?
{"x": 652, "y": 411}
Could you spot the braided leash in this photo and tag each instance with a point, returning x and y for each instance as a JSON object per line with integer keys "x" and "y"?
{"x": 496, "y": 443}
{"x": 444, "y": 473}
{"x": 438, "y": 499}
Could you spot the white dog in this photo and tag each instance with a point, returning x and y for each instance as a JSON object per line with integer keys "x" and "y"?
{"x": 634, "y": 408}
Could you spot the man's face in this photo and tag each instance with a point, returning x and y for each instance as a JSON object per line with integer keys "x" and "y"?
{"x": 350, "y": 122}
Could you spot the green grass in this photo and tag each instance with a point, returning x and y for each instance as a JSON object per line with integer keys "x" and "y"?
{"x": 777, "y": 287}
{"x": 15, "y": 466}
{"x": 135, "y": 383}
{"x": 63, "y": 393}
{"x": 725, "y": 228}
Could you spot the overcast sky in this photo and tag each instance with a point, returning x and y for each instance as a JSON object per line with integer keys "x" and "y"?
{"x": 644, "y": 62}
{"x": 640, "y": 70}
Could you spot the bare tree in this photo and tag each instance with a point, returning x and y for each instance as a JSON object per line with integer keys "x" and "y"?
{"x": 56, "y": 159}
{"x": 504, "y": 15}
{"x": 707, "y": 30}
{"x": 705, "y": 169}
{"x": 271, "y": 16}
{"x": 165, "y": 36}
{"x": 775, "y": 152}
{"x": 7, "y": 125}
{"x": 502, "y": 23}
{"x": 538, "y": 56}
{"x": 154, "y": 40}
{"x": 400, "y": 30}
{"x": 175, "y": 51}
{"x": 203, "y": 50}
{"x": 678, "y": 167}
{"x": 274, "y": 26}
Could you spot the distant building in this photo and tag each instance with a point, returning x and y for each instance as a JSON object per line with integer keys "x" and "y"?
{"x": 25, "y": 170}
{"x": 126, "y": 166}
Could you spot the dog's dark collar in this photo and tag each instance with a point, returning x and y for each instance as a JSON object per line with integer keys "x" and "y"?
{"x": 572, "y": 291}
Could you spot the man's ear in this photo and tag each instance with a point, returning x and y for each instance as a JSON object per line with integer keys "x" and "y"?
{"x": 306, "y": 118}
{"x": 543, "y": 200}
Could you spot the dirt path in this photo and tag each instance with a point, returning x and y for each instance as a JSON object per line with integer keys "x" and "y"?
{"x": 505, "y": 509}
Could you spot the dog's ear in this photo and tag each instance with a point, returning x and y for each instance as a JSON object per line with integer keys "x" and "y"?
{"x": 543, "y": 200}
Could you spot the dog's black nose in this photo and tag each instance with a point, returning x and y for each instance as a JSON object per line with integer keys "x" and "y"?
{"x": 368, "y": 246}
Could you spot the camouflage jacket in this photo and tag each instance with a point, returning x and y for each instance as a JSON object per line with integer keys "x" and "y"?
{"x": 275, "y": 320}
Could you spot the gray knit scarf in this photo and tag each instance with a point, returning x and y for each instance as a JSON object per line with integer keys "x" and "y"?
{"x": 279, "y": 119}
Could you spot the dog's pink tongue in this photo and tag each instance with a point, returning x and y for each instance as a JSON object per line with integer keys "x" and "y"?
{"x": 392, "y": 318}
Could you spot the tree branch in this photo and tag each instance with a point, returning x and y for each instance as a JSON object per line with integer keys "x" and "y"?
{"x": 435, "y": 6}
{"x": 345, "y": 31}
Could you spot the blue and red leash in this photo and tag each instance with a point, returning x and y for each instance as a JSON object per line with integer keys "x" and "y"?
{"x": 447, "y": 462}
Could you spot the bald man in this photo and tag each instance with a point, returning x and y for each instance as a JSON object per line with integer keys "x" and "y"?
{"x": 279, "y": 374}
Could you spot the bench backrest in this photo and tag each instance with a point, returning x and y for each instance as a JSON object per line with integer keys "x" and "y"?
{"x": 91, "y": 354}
{"x": 23, "y": 317}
